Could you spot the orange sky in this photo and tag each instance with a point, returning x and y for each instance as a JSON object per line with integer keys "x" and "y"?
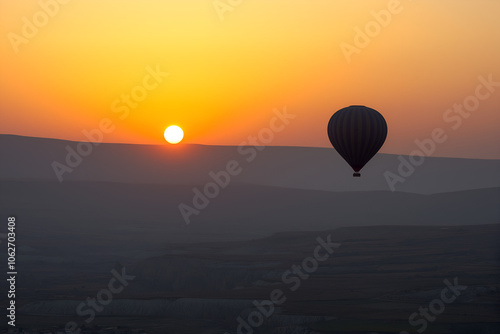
{"x": 226, "y": 76}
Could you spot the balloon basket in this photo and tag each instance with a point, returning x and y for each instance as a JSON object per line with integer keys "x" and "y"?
{"x": 356, "y": 174}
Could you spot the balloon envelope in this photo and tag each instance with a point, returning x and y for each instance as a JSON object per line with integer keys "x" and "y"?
{"x": 357, "y": 133}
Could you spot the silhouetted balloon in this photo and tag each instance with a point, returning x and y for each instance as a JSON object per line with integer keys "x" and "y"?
{"x": 357, "y": 133}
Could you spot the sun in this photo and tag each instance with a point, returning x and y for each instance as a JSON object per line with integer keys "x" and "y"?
{"x": 173, "y": 134}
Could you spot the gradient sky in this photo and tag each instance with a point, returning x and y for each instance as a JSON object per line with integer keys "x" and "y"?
{"x": 226, "y": 76}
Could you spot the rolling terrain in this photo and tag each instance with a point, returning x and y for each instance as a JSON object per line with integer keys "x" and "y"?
{"x": 374, "y": 280}
{"x": 306, "y": 168}
{"x": 119, "y": 209}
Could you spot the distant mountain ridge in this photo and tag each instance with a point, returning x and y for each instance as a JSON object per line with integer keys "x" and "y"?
{"x": 31, "y": 158}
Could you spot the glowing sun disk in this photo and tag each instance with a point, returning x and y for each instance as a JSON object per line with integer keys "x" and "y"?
{"x": 173, "y": 134}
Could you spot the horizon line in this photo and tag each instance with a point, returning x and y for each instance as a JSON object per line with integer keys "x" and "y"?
{"x": 222, "y": 145}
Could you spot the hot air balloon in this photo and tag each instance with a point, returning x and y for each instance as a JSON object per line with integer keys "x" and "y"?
{"x": 357, "y": 133}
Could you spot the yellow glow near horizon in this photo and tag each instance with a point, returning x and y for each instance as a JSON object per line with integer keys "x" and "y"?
{"x": 226, "y": 77}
